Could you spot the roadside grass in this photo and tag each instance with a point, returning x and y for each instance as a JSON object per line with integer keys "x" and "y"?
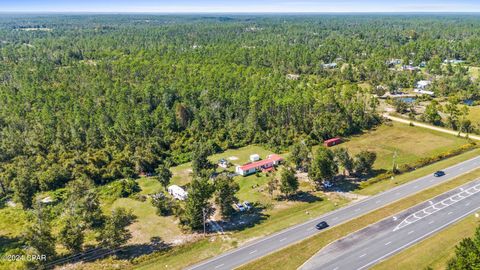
{"x": 295, "y": 255}
{"x": 406, "y": 177}
{"x": 149, "y": 224}
{"x": 277, "y": 219}
{"x": 410, "y": 144}
{"x": 432, "y": 252}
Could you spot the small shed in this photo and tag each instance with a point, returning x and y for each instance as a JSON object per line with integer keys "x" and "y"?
{"x": 332, "y": 142}
{"x": 177, "y": 192}
{"x": 254, "y": 157}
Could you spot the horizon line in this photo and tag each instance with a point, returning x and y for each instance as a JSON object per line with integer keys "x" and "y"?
{"x": 239, "y": 12}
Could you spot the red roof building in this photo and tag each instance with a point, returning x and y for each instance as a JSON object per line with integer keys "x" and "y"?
{"x": 332, "y": 142}
{"x": 261, "y": 165}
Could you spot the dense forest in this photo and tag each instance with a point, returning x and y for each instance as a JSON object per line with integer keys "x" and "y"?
{"x": 108, "y": 97}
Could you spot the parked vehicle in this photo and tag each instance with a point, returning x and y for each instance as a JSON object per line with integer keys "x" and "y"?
{"x": 240, "y": 207}
{"x": 439, "y": 173}
{"x": 247, "y": 205}
{"x": 322, "y": 225}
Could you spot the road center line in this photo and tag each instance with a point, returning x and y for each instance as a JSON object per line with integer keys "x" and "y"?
{"x": 253, "y": 251}
{"x": 218, "y": 266}
{"x": 283, "y": 239}
{"x": 363, "y": 255}
{"x": 388, "y": 243}
{"x": 410, "y": 232}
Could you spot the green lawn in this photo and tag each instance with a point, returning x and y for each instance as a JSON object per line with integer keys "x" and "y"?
{"x": 410, "y": 143}
{"x": 474, "y": 114}
{"x": 474, "y": 72}
{"x": 240, "y": 156}
{"x": 433, "y": 252}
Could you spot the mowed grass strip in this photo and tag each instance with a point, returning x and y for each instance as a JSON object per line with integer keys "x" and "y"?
{"x": 433, "y": 252}
{"x": 295, "y": 255}
{"x": 420, "y": 172}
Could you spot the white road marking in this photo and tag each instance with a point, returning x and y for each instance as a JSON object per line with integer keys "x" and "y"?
{"x": 309, "y": 229}
{"x": 377, "y": 202}
{"x": 335, "y": 218}
{"x": 336, "y": 268}
{"x": 467, "y": 204}
{"x": 436, "y": 207}
{"x": 431, "y": 222}
{"x": 410, "y": 232}
{"x": 363, "y": 255}
{"x": 253, "y": 251}
{"x": 386, "y": 244}
{"x": 283, "y": 239}
{"x": 218, "y": 266}
{"x": 356, "y": 210}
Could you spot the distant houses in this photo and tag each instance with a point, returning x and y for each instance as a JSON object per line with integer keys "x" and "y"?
{"x": 393, "y": 62}
{"x": 264, "y": 165}
{"x": 410, "y": 68}
{"x": 453, "y": 61}
{"x": 421, "y": 87}
{"x": 293, "y": 77}
{"x": 329, "y": 65}
{"x": 423, "y": 84}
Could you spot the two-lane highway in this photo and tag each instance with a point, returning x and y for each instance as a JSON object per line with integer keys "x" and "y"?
{"x": 266, "y": 245}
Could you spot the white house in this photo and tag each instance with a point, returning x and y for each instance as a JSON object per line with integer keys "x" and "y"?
{"x": 453, "y": 61}
{"x": 423, "y": 84}
{"x": 265, "y": 165}
{"x": 254, "y": 157}
{"x": 329, "y": 65}
{"x": 424, "y": 92}
{"x": 177, "y": 192}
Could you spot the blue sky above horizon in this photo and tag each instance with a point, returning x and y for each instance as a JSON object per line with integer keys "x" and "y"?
{"x": 192, "y": 6}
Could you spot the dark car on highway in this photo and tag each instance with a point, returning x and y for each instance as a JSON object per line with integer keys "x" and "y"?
{"x": 322, "y": 225}
{"x": 439, "y": 173}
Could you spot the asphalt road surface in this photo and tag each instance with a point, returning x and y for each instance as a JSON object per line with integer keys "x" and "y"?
{"x": 376, "y": 242}
{"x": 274, "y": 242}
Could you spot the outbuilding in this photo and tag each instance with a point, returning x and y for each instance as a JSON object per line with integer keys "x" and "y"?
{"x": 254, "y": 157}
{"x": 332, "y": 142}
{"x": 177, "y": 192}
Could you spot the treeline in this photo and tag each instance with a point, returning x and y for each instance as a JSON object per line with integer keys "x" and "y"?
{"x": 115, "y": 102}
{"x": 109, "y": 97}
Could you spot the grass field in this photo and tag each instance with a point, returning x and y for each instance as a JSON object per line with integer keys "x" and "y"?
{"x": 433, "y": 252}
{"x": 474, "y": 114}
{"x": 410, "y": 144}
{"x": 295, "y": 255}
{"x": 474, "y": 72}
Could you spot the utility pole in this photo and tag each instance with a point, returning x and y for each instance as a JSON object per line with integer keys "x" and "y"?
{"x": 204, "y": 229}
{"x": 394, "y": 161}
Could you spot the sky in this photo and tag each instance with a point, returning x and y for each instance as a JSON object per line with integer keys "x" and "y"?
{"x": 239, "y": 6}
